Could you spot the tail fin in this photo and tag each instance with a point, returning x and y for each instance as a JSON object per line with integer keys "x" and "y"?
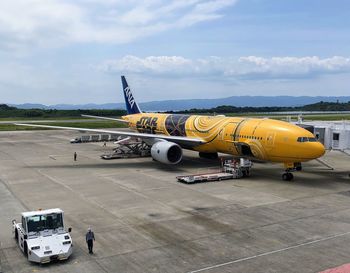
{"x": 131, "y": 105}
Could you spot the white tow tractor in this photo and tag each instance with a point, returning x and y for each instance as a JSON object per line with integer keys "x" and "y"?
{"x": 42, "y": 237}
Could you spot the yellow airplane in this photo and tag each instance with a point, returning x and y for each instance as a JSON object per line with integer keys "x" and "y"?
{"x": 257, "y": 138}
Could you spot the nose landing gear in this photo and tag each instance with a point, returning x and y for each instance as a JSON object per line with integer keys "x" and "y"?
{"x": 291, "y": 167}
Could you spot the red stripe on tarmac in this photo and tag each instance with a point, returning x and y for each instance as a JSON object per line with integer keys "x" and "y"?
{"x": 345, "y": 268}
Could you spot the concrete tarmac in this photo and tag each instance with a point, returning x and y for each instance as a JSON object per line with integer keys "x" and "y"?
{"x": 145, "y": 221}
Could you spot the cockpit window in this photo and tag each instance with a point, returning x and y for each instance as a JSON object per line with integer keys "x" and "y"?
{"x": 306, "y": 139}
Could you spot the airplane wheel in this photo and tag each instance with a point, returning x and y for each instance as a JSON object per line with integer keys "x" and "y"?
{"x": 290, "y": 176}
{"x": 287, "y": 176}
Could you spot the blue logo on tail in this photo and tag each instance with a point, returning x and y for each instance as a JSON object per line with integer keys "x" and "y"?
{"x": 131, "y": 104}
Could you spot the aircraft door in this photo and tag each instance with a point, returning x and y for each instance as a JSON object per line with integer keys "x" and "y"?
{"x": 270, "y": 140}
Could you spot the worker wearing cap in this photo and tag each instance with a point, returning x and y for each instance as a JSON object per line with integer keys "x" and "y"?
{"x": 90, "y": 238}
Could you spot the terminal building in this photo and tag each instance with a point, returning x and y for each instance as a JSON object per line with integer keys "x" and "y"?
{"x": 333, "y": 134}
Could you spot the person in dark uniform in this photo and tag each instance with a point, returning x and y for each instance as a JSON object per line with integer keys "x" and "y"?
{"x": 75, "y": 156}
{"x": 90, "y": 238}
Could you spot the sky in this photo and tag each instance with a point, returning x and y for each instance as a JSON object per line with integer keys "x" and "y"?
{"x": 74, "y": 52}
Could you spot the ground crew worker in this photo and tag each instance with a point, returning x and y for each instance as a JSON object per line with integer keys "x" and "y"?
{"x": 75, "y": 156}
{"x": 90, "y": 238}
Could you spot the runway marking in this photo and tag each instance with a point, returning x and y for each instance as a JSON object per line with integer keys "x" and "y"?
{"x": 270, "y": 252}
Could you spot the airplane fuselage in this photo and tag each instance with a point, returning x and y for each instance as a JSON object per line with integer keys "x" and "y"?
{"x": 264, "y": 139}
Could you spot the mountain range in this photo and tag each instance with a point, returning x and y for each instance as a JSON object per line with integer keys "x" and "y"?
{"x": 167, "y": 105}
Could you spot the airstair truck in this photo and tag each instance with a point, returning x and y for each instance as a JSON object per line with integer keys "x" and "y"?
{"x": 42, "y": 237}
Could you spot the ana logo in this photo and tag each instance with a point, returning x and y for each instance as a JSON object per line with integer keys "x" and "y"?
{"x": 128, "y": 94}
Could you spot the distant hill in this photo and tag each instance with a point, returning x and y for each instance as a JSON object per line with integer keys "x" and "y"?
{"x": 315, "y": 107}
{"x": 5, "y": 107}
{"x": 168, "y": 105}
{"x": 11, "y": 111}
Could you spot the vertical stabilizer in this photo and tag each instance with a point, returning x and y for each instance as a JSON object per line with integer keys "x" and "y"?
{"x": 131, "y": 105}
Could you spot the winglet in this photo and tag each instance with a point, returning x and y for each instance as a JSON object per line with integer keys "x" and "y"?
{"x": 131, "y": 104}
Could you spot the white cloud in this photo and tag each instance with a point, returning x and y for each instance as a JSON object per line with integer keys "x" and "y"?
{"x": 170, "y": 65}
{"x": 250, "y": 67}
{"x": 173, "y": 77}
{"x": 293, "y": 66}
{"x": 56, "y": 22}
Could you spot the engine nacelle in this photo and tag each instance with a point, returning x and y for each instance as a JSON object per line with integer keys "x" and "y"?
{"x": 166, "y": 152}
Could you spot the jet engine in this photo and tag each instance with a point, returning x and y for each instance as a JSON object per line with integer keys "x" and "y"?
{"x": 166, "y": 152}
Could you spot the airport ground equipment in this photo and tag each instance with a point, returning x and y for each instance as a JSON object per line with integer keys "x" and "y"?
{"x": 231, "y": 169}
{"x": 129, "y": 148}
{"x": 95, "y": 138}
{"x": 42, "y": 237}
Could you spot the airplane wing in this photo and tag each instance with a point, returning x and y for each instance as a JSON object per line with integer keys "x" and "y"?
{"x": 182, "y": 141}
{"x": 116, "y": 119}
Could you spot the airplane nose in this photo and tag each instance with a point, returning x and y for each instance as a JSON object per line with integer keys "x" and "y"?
{"x": 317, "y": 149}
